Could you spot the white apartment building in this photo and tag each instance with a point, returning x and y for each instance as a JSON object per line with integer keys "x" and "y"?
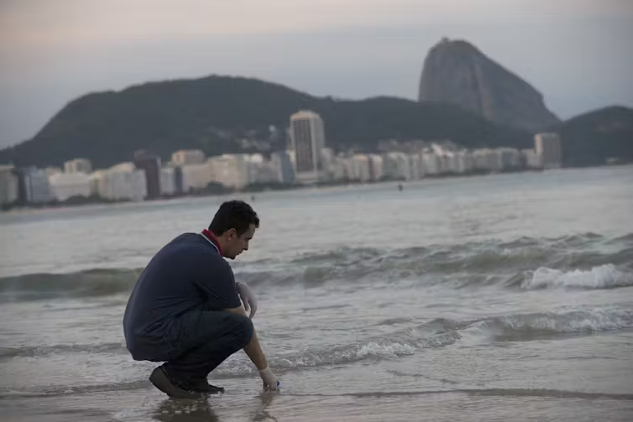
{"x": 67, "y": 185}
{"x": 396, "y": 165}
{"x": 375, "y": 167}
{"x": 359, "y": 168}
{"x": 510, "y": 158}
{"x": 451, "y": 162}
{"x": 231, "y": 170}
{"x": 186, "y": 157}
{"x": 263, "y": 171}
{"x": 464, "y": 162}
{"x": 196, "y": 176}
{"x": 78, "y": 165}
{"x": 120, "y": 182}
{"x": 340, "y": 168}
{"x": 431, "y": 163}
{"x": 485, "y": 159}
{"x": 531, "y": 159}
{"x": 51, "y": 170}
{"x": 548, "y": 146}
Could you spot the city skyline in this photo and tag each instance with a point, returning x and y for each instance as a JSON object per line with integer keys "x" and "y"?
{"x": 571, "y": 51}
{"x": 309, "y": 162}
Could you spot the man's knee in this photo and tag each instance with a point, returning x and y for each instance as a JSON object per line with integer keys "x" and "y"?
{"x": 243, "y": 329}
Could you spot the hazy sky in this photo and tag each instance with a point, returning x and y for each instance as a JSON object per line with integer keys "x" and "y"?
{"x": 578, "y": 53}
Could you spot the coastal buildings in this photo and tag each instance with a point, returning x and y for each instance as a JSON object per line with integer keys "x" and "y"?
{"x": 548, "y": 147}
{"x": 307, "y": 161}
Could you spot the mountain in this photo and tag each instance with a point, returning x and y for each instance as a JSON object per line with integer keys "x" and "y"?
{"x": 458, "y": 73}
{"x": 598, "y": 136}
{"x": 228, "y": 114}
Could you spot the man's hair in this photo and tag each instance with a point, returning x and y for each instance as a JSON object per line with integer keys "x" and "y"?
{"x": 236, "y": 215}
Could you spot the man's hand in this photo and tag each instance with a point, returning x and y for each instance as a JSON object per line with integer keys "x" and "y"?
{"x": 248, "y": 298}
{"x": 270, "y": 380}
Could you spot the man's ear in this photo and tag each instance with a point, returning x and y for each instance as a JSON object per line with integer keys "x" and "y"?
{"x": 231, "y": 233}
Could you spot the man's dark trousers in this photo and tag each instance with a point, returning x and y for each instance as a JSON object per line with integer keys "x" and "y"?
{"x": 197, "y": 342}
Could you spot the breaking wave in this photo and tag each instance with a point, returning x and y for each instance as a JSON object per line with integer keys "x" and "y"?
{"x": 528, "y": 326}
{"x": 602, "y": 277}
{"x": 98, "y": 282}
{"x": 586, "y": 261}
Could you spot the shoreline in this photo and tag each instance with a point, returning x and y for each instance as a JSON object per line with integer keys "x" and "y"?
{"x": 255, "y": 189}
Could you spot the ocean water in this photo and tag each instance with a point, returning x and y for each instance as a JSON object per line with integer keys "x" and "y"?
{"x": 502, "y": 297}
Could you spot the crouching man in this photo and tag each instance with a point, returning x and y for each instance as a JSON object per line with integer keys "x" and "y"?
{"x": 185, "y": 309}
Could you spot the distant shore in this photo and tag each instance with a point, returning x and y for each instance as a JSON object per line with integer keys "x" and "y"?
{"x": 216, "y": 189}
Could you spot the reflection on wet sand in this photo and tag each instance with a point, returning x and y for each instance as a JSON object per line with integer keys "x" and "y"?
{"x": 198, "y": 410}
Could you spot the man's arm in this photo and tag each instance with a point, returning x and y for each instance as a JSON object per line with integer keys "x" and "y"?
{"x": 252, "y": 349}
{"x": 255, "y": 353}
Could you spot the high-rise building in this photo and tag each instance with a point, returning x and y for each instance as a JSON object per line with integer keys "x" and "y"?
{"x": 8, "y": 185}
{"x": 78, "y": 165}
{"x": 308, "y": 139}
{"x": 548, "y": 147}
{"x": 35, "y": 187}
{"x": 168, "y": 185}
{"x": 150, "y": 163}
{"x": 283, "y": 162}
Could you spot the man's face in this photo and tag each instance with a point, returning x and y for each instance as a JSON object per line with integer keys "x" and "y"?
{"x": 238, "y": 244}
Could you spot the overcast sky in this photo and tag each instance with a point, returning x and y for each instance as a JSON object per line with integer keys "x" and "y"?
{"x": 578, "y": 53}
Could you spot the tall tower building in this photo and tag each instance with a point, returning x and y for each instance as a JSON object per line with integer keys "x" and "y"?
{"x": 307, "y": 135}
{"x": 149, "y": 162}
{"x": 548, "y": 147}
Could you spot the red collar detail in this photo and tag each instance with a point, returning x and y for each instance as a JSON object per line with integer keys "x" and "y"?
{"x": 212, "y": 238}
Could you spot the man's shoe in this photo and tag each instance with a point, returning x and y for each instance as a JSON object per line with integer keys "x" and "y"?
{"x": 203, "y": 386}
{"x": 169, "y": 386}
